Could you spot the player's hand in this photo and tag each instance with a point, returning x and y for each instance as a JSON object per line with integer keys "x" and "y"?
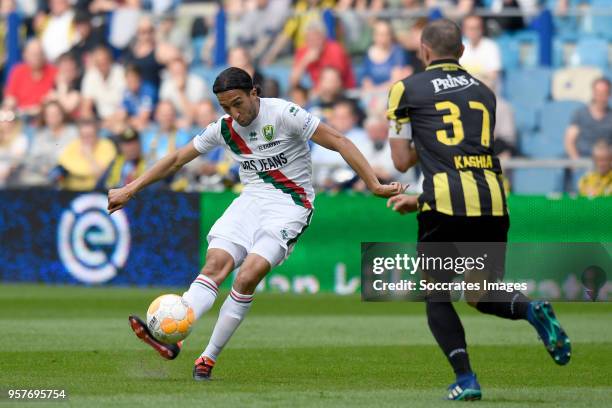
{"x": 389, "y": 190}
{"x": 403, "y": 203}
{"x": 117, "y": 198}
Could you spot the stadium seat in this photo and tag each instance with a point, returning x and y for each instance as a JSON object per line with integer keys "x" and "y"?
{"x": 555, "y": 117}
{"x": 566, "y": 25}
{"x": 529, "y": 87}
{"x": 537, "y": 181}
{"x": 541, "y": 146}
{"x": 196, "y": 47}
{"x": 575, "y": 177}
{"x": 208, "y": 74}
{"x": 564, "y": 44}
{"x": 280, "y": 73}
{"x": 602, "y": 25}
{"x": 525, "y": 118}
{"x": 510, "y": 53}
{"x": 574, "y": 83}
{"x": 529, "y": 47}
{"x": 519, "y": 50}
{"x": 591, "y": 51}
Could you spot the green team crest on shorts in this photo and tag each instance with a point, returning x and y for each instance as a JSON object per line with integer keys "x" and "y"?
{"x": 268, "y": 133}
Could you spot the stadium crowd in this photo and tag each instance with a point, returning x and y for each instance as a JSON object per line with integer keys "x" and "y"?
{"x": 95, "y": 91}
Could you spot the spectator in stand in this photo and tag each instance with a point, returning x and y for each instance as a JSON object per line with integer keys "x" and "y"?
{"x": 143, "y": 53}
{"x": 304, "y": 13}
{"x": 183, "y": 89}
{"x": 67, "y": 88}
{"x": 56, "y": 29}
{"x": 270, "y": 88}
{"x": 138, "y": 100}
{"x": 83, "y": 161}
{"x": 481, "y": 56}
{"x": 13, "y": 145}
{"x": 598, "y": 183}
{"x": 172, "y": 37}
{"x": 590, "y": 123}
{"x": 103, "y": 85}
{"x": 88, "y": 39}
{"x": 505, "y": 126}
{"x": 160, "y": 7}
{"x": 29, "y": 82}
{"x": 378, "y": 151}
{"x": 385, "y": 61}
{"x": 124, "y": 20}
{"x": 505, "y": 129}
{"x": 240, "y": 57}
{"x": 325, "y": 96}
{"x": 11, "y": 37}
{"x": 260, "y": 24}
{"x": 300, "y": 96}
{"x": 332, "y": 172}
{"x": 48, "y": 142}
{"x": 345, "y": 119}
{"x": 404, "y": 27}
{"x": 211, "y": 170}
{"x": 127, "y": 165}
{"x": 354, "y": 23}
{"x": 205, "y": 114}
{"x": 410, "y": 40}
{"x": 28, "y": 10}
{"x": 164, "y": 138}
{"x": 318, "y": 53}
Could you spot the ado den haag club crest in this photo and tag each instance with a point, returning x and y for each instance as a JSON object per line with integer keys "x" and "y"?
{"x": 268, "y": 133}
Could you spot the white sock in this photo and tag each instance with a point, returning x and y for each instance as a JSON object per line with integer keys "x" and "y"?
{"x": 201, "y": 295}
{"x": 231, "y": 314}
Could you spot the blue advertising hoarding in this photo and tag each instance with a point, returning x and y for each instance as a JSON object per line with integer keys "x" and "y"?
{"x": 62, "y": 237}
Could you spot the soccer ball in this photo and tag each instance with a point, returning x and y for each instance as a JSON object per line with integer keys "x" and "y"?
{"x": 170, "y": 318}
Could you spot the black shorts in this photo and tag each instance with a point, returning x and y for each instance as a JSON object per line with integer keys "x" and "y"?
{"x": 444, "y": 236}
{"x": 438, "y": 227}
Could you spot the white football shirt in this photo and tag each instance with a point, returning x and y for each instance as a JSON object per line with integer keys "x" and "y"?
{"x": 272, "y": 151}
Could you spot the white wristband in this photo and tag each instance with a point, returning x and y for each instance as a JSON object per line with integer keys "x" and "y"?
{"x": 400, "y": 130}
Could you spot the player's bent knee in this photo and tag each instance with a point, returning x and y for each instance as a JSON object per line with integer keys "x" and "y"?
{"x": 251, "y": 273}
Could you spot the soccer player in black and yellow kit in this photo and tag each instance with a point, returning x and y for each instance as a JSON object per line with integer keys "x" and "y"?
{"x": 444, "y": 119}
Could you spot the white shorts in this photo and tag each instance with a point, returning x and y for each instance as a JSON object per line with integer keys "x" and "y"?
{"x": 260, "y": 224}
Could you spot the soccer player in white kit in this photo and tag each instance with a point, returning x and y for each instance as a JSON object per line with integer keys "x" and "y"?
{"x": 269, "y": 139}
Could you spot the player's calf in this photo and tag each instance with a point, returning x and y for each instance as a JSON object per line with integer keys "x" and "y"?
{"x": 203, "y": 291}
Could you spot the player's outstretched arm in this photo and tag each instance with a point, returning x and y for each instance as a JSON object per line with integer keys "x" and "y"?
{"x": 329, "y": 138}
{"x": 170, "y": 164}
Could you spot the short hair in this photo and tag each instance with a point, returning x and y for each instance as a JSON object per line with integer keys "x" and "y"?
{"x": 601, "y": 144}
{"x": 475, "y": 17}
{"x": 66, "y": 56}
{"x": 271, "y": 88}
{"x": 443, "y": 36}
{"x": 133, "y": 69}
{"x": 87, "y": 122}
{"x": 103, "y": 48}
{"x": 59, "y": 106}
{"x": 602, "y": 79}
{"x": 233, "y": 78}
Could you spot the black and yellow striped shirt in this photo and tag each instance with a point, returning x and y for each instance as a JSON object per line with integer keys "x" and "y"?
{"x": 452, "y": 116}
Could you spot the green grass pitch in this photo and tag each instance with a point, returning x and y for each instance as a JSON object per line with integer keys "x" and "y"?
{"x": 291, "y": 351}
